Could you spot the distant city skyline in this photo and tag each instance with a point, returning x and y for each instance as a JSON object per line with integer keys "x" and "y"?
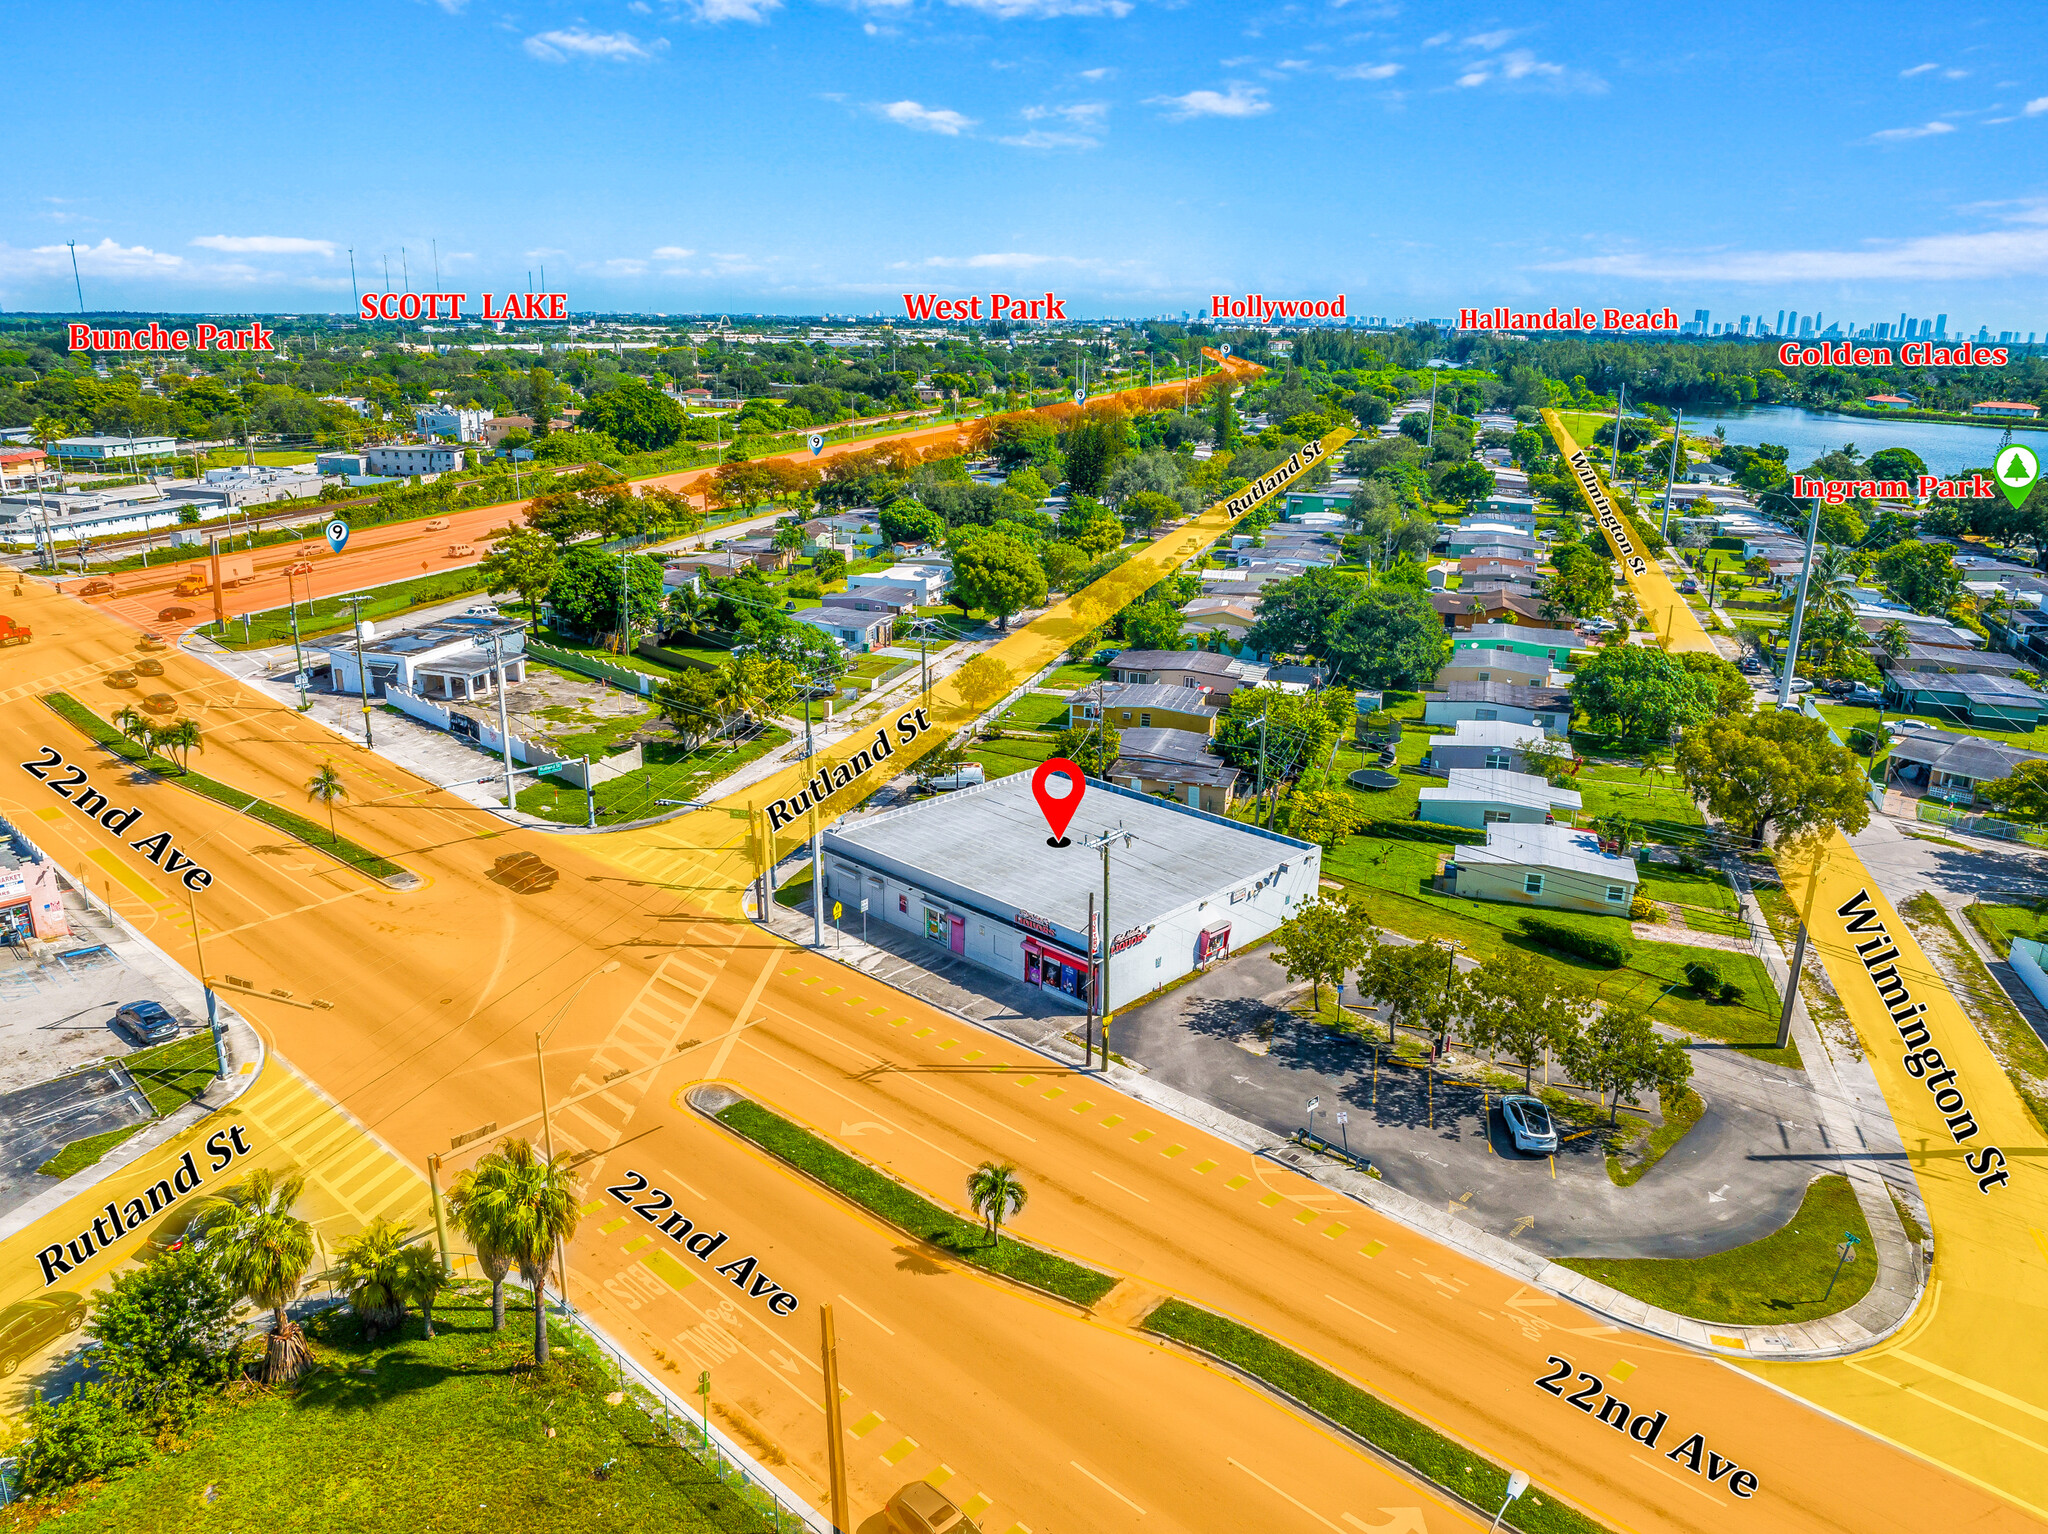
{"x": 785, "y": 156}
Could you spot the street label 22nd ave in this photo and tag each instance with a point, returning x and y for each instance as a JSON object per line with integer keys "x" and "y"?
{"x": 1646, "y": 1428}
{"x": 159, "y": 849}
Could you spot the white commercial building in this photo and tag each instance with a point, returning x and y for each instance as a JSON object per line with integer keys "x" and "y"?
{"x": 444, "y": 421}
{"x": 973, "y": 874}
{"x": 449, "y": 660}
{"x": 408, "y": 458}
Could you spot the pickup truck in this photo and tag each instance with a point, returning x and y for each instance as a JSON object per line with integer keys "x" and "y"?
{"x": 11, "y": 633}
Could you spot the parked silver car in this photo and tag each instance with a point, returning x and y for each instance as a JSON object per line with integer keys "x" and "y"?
{"x": 1529, "y": 1122}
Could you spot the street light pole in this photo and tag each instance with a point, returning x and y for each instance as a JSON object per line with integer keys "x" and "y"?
{"x": 298, "y": 655}
{"x": 355, "y": 607}
{"x": 547, "y": 1122}
{"x": 496, "y": 640}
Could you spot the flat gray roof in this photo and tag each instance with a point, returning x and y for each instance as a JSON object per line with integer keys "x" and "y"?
{"x": 991, "y": 841}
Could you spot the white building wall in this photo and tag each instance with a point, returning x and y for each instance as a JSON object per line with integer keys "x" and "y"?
{"x": 1562, "y": 891}
{"x": 1450, "y": 712}
{"x": 1471, "y": 813}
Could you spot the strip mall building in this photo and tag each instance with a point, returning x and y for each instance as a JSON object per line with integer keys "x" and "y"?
{"x": 972, "y": 873}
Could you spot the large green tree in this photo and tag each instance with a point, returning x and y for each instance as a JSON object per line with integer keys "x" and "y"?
{"x": 166, "y": 1333}
{"x": 1583, "y": 585}
{"x": 254, "y": 1232}
{"x": 526, "y": 561}
{"x": 632, "y": 413}
{"x": 998, "y": 575}
{"x": 1294, "y": 615}
{"x": 1923, "y": 576}
{"x": 1777, "y": 769}
{"x": 1387, "y": 638}
{"x": 1636, "y": 693}
{"x": 1324, "y": 941}
{"x": 1522, "y": 1007}
{"x": 587, "y": 588}
{"x": 1618, "y": 1053}
{"x": 1153, "y": 626}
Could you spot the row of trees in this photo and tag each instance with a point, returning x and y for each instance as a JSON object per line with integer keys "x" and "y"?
{"x": 1514, "y": 1007}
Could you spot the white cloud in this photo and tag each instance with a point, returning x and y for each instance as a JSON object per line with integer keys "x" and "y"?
{"x": 1082, "y": 120}
{"x": 452, "y": 7}
{"x": 541, "y": 253}
{"x": 1994, "y": 253}
{"x": 1925, "y": 130}
{"x": 1239, "y": 101}
{"x": 1917, "y": 69}
{"x": 1097, "y": 74}
{"x": 672, "y": 253}
{"x": 716, "y": 11}
{"x": 625, "y": 266}
{"x": 1490, "y": 40}
{"x": 1955, "y": 74}
{"x": 265, "y": 244}
{"x": 1520, "y": 67}
{"x": 1369, "y": 72}
{"x": 2036, "y": 107}
{"x": 1040, "y": 10}
{"x": 911, "y": 114}
{"x": 565, "y": 43}
{"x": 1043, "y": 138}
{"x": 1437, "y": 41}
{"x": 1079, "y": 114}
{"x": 108, "y": 259}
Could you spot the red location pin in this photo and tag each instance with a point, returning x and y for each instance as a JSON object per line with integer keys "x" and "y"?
{"x": 1058, "y": 808}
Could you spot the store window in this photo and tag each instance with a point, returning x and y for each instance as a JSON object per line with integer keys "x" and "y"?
{"x": 935, "y": 924}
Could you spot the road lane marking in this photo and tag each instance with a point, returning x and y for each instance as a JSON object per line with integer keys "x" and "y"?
{"x": 1319, "y": 1518}
{"x": 1306, "y": 1217}
{"x": 668, "y": 1270}
{"x": 863, "y": 1314}
{"x": 1237, "y": 1182}
{"x": 1204, "y": 1167}
{"x": 867, "y": 1424}
{"x": 1332, "y": 1232}
{"x": 1969, "y": 1384}
{"x": 1269, "y": 1201}
{"x": 1143, "y": 1135}
{"x": 1376, "y": 1321}
{"x": 939, "y": 1475}
{"x": 1621, "y": 1371}
{"x": 1122, "y": 1189}
{"x": 1112, "y": 1121}
{"x": 1172, "y": 1150}
{"x": 898, "y": 1452}
{"x": 977, "y": 1504}
{"x": 1099, "y": 1481}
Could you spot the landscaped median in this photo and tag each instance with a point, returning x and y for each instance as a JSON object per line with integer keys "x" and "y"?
{"x": 961, "y": 1239}
{"x": 360, "y": 858}
{"x": 1428, "y": 1453}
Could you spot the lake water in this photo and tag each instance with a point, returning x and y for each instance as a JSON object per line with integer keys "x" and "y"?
{"x": 1943, "y": 448}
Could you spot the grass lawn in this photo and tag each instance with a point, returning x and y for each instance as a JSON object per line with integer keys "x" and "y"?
{"x": 597, "y": 734}
{"x": 171, "y": 1075}
{"x": 1000, "y": 758}
{"x": 1586, "y": 428}
{"x": 2012, "y": 1039}
{"x": 1434, "y": 1457}
{"x": 878, "y": 666}
{"x": 408, "y": 1435}
{"x": 80, "y": 1154}
{"x": 330, "y": 615}
{"x": 959, "y": 1237}
{"x": 1778, "y": 1279}
{"x": 1706, "y": 900}
{"x": 1396, "y": 874}
{"x": 1656, "y": 803}
{"x": 1998, "y": 925}
{"x": 1075, "y": 675}
{"x": 1035, "y": 711}
{"x": 1845, "y": 717}
{"x": 670, "y": 773}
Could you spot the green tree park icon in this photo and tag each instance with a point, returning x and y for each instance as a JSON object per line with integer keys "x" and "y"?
{"x": 2016, "y": 468}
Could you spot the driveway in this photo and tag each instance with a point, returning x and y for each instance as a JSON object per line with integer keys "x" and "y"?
{"x": 1738, "y": 1175}
{"x": 36, "y": 1122}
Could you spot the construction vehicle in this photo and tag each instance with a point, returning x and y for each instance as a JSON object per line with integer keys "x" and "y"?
{"x": 13, "y": 633}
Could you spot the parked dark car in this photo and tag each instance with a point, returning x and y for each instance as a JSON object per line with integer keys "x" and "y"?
{"x": 146, "y": 1022}
{"x": 27, "y": 1324}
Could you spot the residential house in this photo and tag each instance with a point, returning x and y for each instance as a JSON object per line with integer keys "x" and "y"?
{"x": 1553, "y": 645}
{"x": 1228, "y": 616}
{"x": 1987, "y": 702}
{"x": 1125, "y": 704}
{"x": 1947, "y": 659}
{"x": 858, "y": 631}
{"x": 1494, "y": 743}
{"x": 1546, "y": 708}
{"x": 28, "y": 468}
{"x": 1549, "y": 866}
{"x": 1949, "y": 766}
{"x": 710, "y": 564}
{"x": 761, "y": 553}
{"x": 1483, "y": 537}
{"x": 874, "y": 599}
{"x": 1487, "y": 796}
{"x": 929, "y": 581}
{"x": 1919, "y": 630}
{"x": 1494, "y": 666}
{"x": 1218, "y": 675}
{"x": 1506, "y": 565}
{"x": 494, "y": 431}
{"x": 1497, "y": 505}
{"x": 2011, "y": 408}
{"x": 1466, "y": 608}
{"x": 1176, "y": 764}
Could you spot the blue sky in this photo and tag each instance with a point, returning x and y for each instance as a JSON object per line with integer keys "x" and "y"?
{"x": 1131, "y": 156}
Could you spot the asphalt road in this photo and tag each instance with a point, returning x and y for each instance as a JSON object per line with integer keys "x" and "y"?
{"x": 36, "y": 1122}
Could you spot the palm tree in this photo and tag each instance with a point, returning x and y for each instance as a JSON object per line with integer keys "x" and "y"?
{"x": 529, "y": 1201}
{"x": 135, "y": 726}
{"x": 995, "y": 1194}
{"x": 1832, "y": 585}
{"x": 421, "y": 1278}
{"x": 183, "y": 738}
{"x": 481, "y": 1219}
{"x": 326, "y": 786}
{"x": 369, "y": 1269}
{"x": 265, "y": 1250}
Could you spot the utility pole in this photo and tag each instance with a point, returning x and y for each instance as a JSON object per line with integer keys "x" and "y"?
{"x": 1620, "y": 404}
{"x": 298, "y": 655}
{"x": 72, "y": 246}
{"x": 1435, "y": 374}
{"x": 1799, "y": 611}
{"x": 1099, "y": 988}
{"x": 1094, "y": 989}
{"x": 835, "y": 1432}
{"x": 220, "y": 1050}
{"x": 440, "y": 1214}
{"x": 355, "y": 606}
{"x": 1671, "y": 471}
{"x": 496, "y": 641}
{"x": 354, "y": 288}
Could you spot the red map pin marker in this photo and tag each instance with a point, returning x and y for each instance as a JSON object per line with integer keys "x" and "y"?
{"x": 1058, "y": 808}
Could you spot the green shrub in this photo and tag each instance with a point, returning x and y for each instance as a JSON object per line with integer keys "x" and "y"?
{"x": 1703, "y": 977}
{"x": 1640, "y": 909}
{"x": 1608, "y": 951}
{"x": 78, "y": 1438}
{"x": 1730, "y": 993}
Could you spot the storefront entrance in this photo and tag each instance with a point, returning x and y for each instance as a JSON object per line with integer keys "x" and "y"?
{"x": 1055, "y": 969}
